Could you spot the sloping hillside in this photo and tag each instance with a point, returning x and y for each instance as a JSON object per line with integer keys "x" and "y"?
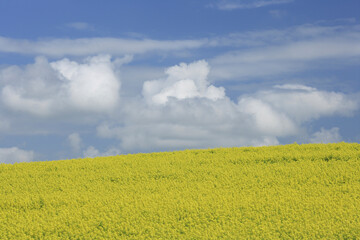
{"x": 293, "y": 191}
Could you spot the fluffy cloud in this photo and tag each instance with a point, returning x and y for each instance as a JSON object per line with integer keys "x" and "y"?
{"x": 326, "y": 136}
{"x": 267, "y": 119}
{"x": 303, "y": 103}
{"x": 91, "y": 86}
{"x": 180, "y": 124}
{"x": 15, "y": 155}
{"x": 46, "y": 89}
{"x": 184, "y": 81}
{"x": 182, "y": 110}
{"x": 193, "y": 120}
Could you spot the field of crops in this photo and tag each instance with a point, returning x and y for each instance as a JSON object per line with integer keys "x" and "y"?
{"x": 293, "y": 191}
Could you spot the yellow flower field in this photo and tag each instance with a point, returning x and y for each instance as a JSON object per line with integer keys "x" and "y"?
{"x": 282, "y": 192}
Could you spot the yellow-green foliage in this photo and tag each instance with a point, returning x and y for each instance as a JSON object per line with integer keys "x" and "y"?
{"x": 287, "y": 192}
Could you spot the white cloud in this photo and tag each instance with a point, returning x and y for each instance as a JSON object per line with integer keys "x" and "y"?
{"x": 281, "y": 37}
{"x": 15, "y": 155}
{"x": 306, "y": 103}
{"x": 266, "y": 53}
{"x": 180, "y": 124}
{"x": 326, "y": 136}
{"x": 30, "y": 89}
{"x": 267, "y": 119}
{"x": 246, "y": 4}
{"x": 184, "y": 81}
{"x": 92, "y": 86}
{"x": 112, "y": 151}
{"x": 283, "y": 110}
{"x": 75, "y": 142}
{"x": 60, "y": 47}
{"x": 95, "y": 46}
{"x": 48, "y": 89}
{"x": 119, "y": 61}
{"x": 190, "y": 121}
{"x": 133, "y": 77}
{"x": 181, "y": 110}
{"x": 294, "y": 87}
{"x": 92, "y": 152}
{"x": 14, "y": 100}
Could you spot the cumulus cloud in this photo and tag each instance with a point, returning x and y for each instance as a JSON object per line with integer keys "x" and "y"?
{"x": 304, "y": 103}
{"x": 47, "y": 89}
{"x": 29, "y": 89}
{"x": 92, "y": 85}
{"x": 282, "y": 110}
{"x": 184, "y": 81}
{"x": 175, "y": 121}
{"x": 15, "y": 100}
{"x": 180, "y": 124}
{"x": 326, "y": 136}
{"x": 178, "y": 108}
{"x": 15, "y": 155}
{"x": 267, "y": 119}
{"x": 178, "y": 111}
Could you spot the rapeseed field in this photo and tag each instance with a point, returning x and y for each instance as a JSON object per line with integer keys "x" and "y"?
{"x": 309, "y": 191}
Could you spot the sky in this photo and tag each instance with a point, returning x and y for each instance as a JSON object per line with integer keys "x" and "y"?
{"x": 98, "y": 78}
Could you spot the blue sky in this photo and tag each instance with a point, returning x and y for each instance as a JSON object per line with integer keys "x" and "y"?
{"x": 94, "y": 78}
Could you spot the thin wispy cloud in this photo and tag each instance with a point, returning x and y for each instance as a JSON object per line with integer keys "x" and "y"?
{"x": 94, "y": 46}
{"x": 59, "y": 47}
{"x": 82, "y": 26}
{"x": 241, "y": 4}
{"x": 277, "y": 13}
{"x": 292, "y": 50}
